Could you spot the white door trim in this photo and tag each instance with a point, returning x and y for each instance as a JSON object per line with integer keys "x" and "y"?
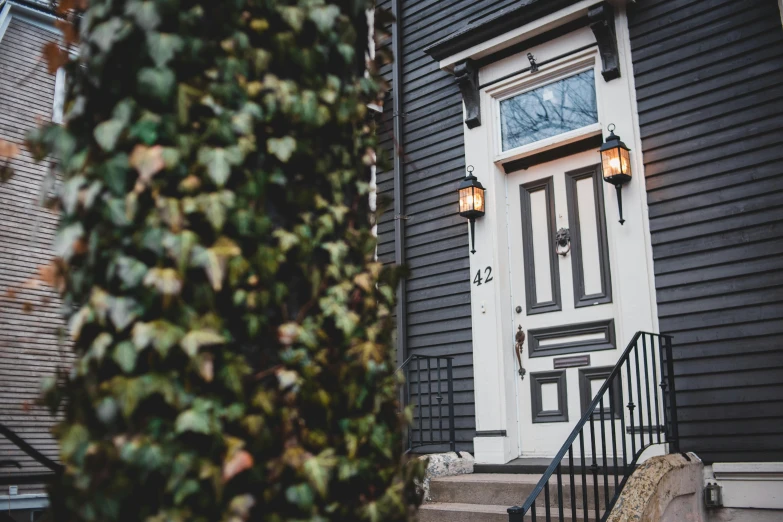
{"x": 493, "y": 318}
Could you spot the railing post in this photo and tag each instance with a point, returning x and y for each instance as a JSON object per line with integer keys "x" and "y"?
{"x": 675, "y": 442}
{"x": 515, "y": 514}
{"x": 452, "y": 431}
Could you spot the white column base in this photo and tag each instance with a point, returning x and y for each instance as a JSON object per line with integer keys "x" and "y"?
{"x": 494, "y": 450}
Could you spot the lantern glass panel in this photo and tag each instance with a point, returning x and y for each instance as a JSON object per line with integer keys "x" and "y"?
{"x": 478, "y": 199}
{"x": 471, "y": 199}
{"x": 625, "y": 161}
{"x": 616, "y": 161}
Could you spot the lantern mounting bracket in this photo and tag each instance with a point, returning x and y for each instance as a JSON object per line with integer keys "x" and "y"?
{"x": 466, "y": 75}
{"x": 601, "y": 19}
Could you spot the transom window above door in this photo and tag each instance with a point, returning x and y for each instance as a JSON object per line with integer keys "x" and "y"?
{"x": 547, "y": 111}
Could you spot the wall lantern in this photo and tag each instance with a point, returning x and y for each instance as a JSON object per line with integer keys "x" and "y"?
{"x": 471, "y": 202}
{"x": 616, "y": 165}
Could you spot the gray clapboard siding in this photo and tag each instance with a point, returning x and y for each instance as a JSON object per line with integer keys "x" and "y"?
{"x": 436, "y": 238}
{"x": 29, "y": 345}
{"x": 708, "y": 76}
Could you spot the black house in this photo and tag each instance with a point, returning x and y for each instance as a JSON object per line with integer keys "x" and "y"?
{"x": 522, "y": 94}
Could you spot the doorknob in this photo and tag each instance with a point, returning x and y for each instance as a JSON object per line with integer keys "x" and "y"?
{"x": 520, "y": 340}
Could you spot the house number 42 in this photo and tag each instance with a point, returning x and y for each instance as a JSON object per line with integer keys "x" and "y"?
{"x": 487, "y": 276}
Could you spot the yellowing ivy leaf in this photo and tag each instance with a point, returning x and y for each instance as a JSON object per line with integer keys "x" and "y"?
{"x": 196, "y": 339}
{"x": 282, "y": 148}
{"x": 215, "y": 259}
{"x": 240, "y": 507}
{"x": 54, "y": 56}
{"x": 147, "y": 161}
{"x": 237, "y": 463}
{"x": 165, "y": 280}
{"x": 8, "y": 150}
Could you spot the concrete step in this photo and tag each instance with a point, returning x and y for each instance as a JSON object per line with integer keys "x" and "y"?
{"x": 502, "y": 489}
{"x": 460, "y": 512}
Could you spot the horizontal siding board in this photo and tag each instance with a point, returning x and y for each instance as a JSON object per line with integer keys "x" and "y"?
{"x": 723, "y": 287}
{"x": 711, "y": 120}
{"x": 30, "y": 348}
{"x": 665, "y": 195}
{"x": 436, "y": 237}
{"x": 721, "y": 218}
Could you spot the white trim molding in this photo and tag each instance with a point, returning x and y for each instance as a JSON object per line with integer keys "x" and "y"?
{"x": 497, "y": 384}
{"x": 37, "y": 17}
{"x": 5, "y": 17}
{"x": 757, "y": 485}
{"x": 527, "y": 31}
{"x": 24, "y": 501}
{"x": 43, "y": 20}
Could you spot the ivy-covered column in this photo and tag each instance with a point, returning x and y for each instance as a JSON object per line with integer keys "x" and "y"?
{"x": 216, "y": 262}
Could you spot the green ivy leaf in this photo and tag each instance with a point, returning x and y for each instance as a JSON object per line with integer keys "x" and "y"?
{"x": 105, "y": 34}
{"x": 324, "y": 17}
{"x": 301, "y": 496}
{"x": 157, "y": 83}
{"x": 192, "y": 420}
{"x": 125, "y": 356}
{"x": 162, "y": 47}
{"x": 73, "y": 442}
{"x": 319, "y": 469}
{"x": 219, "y": 161}
{"x": 114, "y": 173}
{"x": 107, "y": 133}
{"x": 122, "y": 311}
{"x": 161, "y": 334}
{"x": 130, "y": 271}
{"x": 66, "y": 238}
{"x": 189, "y": 487}
{"x": 283, "y": 148}
{"x": 145, "y": 14}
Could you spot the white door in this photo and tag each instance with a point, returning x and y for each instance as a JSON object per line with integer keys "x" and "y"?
{"x": 561, "y": 294}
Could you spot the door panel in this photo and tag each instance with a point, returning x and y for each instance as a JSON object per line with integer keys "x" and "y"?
{"x": 566, "y": 300}
{"x": 542, "y": 276}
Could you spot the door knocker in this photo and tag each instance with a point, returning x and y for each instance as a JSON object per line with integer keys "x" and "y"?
{"x": 563, "y": 242}
{"x": 520, "y": 338}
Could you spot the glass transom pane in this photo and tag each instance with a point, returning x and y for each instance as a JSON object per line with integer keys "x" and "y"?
{"x": 547, "y": 111}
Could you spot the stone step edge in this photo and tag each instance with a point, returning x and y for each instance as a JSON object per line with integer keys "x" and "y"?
{"x": 484, "y": 509}
{"x": 471, "y": 508}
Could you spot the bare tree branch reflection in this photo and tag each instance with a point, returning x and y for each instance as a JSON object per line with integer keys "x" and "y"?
{"x": 548, "y": 111}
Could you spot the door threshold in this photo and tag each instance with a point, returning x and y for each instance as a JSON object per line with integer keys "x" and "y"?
{"x": 538, "y": 465}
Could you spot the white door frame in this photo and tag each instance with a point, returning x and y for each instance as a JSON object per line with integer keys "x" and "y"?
{"x": 495, "y": 369}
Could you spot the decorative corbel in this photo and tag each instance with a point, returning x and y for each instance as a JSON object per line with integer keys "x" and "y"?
{"x": 466, "y": 74}
{"x": 601, "y": 19}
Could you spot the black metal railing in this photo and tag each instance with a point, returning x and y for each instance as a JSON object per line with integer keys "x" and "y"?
{"x": 429, "y": 388}
{"x": 26, "y": 478}
{"x": 600, "y": 462}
